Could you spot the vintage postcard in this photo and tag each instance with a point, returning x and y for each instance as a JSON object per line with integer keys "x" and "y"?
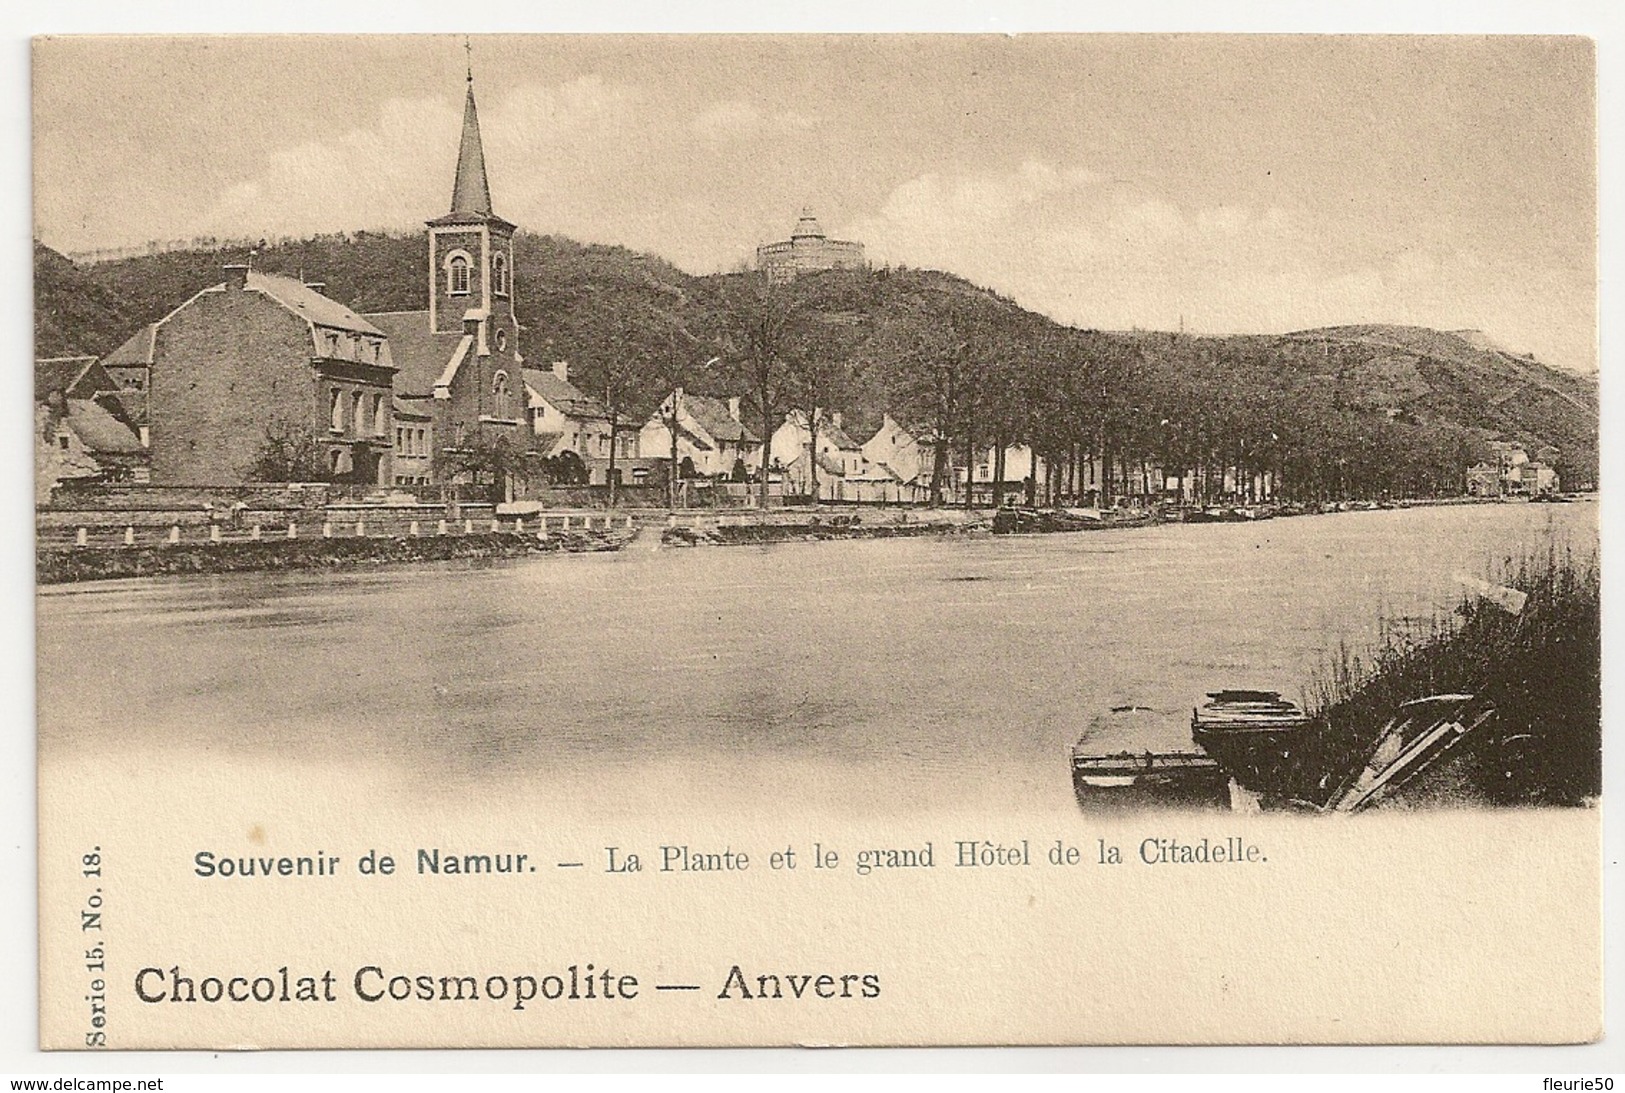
{"x": 815, "y": 540}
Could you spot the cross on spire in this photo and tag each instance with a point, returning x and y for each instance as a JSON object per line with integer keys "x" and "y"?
{"x": 468, "y": 50}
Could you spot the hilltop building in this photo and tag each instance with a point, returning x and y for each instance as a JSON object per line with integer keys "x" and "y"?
{"x": 807, "y": 249}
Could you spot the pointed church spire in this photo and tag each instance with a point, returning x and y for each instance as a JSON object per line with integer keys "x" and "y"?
{"x": 471, "y": 192}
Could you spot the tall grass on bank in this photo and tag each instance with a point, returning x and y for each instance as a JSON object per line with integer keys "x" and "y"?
{"x": 1541, "y": 668}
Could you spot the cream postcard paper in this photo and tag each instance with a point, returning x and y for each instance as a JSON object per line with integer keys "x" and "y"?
{"x": 816, "y": 540}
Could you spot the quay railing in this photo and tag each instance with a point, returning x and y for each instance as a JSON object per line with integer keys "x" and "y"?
{"x": 370, "y": 526}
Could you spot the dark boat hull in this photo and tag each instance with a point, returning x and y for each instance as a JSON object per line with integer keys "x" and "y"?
{"x": 1131, "y": 782}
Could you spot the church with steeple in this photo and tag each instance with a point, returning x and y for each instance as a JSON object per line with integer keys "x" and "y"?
{"x": 262, "y": 377}
{"x": 460, "y": 377}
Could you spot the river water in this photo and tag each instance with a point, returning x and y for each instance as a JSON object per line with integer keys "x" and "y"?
{"x": 862, "y": 679}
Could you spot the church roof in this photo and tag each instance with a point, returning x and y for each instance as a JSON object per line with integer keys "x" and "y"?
{"x": 420, "y": 355}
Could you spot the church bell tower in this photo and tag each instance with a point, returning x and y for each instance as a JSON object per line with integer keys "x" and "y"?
{"x": 471, "y": 248}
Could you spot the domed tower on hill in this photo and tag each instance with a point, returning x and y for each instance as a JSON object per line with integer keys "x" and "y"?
{"x": 808, "y": 248}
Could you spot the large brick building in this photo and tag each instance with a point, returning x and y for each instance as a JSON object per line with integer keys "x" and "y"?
{"x": 257, "y": 368}
{"x": 808, "y": 248}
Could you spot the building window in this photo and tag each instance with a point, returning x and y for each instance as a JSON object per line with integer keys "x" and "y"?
{"x": 335, "y": 411}
{"x": 358, "y": 413}
{"x": 400, "y": 440}
{"x": 379, "y": 424}
{"x": 423, "y": 441}
{"x": 502, "y": 341}
{"x": 499, "y": 395}
{"x": 457, "y": 274}
{"x": 62, "y": 441}
{"x": 499, "y": 275}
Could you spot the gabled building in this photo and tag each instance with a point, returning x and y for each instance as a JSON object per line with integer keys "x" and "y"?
{"x": 712, "y": 439}
{"x": 795, "y": 451}
{"x": 907, "y": 459}
{"x": 261, "y": 372}
{"x": 569, "y": 416}
{"x": 80, "y": 432}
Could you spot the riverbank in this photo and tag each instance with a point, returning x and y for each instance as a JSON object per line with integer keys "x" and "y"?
{"x": 813, "y": 530}
{"x": 58, "y": 565}
{"x": 834, "y": 523}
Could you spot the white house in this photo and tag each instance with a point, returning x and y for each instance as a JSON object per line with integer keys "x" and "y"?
{"x": 568, "y": 419}
{"x": 905, "y": 458}
{"x": 1020, "y": 464}
{"x": 837, "y": 455}
{"x": 711, "y": 436}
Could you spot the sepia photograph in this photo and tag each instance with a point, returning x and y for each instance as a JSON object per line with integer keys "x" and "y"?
{"x": 632, "y": 540}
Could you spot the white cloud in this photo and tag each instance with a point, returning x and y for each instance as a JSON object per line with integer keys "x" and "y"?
{"x": 1111, "y": 255}
{"x": 735, "y": 119}
{"x": 398, "y": 171}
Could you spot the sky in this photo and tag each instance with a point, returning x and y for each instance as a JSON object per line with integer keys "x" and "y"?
{"x": 1222, "y": 184}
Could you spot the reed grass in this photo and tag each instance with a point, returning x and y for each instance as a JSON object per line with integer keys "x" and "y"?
{"x": 1541, "y": 668}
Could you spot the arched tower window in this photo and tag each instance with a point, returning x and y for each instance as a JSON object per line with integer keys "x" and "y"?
{"x": 500, "y": 405}
{"x": 499, "y": 274}
{"x": 457, "y": 266}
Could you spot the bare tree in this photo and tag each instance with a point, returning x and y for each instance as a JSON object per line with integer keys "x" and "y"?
{"x": 762, "y": 330}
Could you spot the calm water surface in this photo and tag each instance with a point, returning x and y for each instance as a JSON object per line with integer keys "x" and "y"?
{"x": 862, "y": 678}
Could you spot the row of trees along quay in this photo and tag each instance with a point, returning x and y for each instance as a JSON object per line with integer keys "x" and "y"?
{"x": 967, "y": 370}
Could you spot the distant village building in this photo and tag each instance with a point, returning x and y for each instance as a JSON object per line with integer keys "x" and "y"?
{"x": 1020, "y": 468}
{"x": 81, "y": 428}
{"x": 712, "y": 439}
{"x": 795, "y": 450}
{"x": 807, "y": 249}
{"x": 563, "y": 418}
{"x": 1509, "y": 472}
{"x": 903, "y": 458}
